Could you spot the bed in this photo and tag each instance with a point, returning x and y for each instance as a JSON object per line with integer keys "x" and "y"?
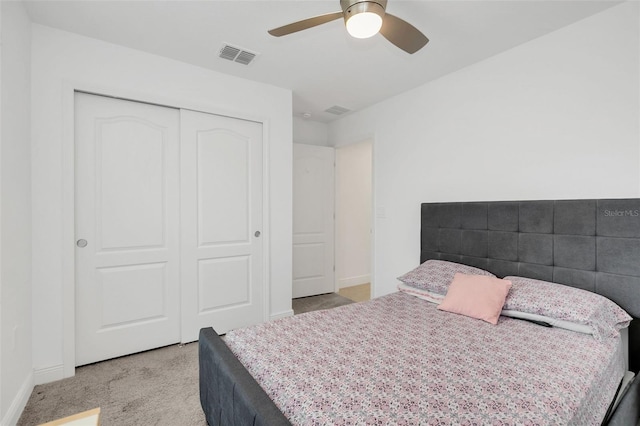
{"x": 410, "y": 363}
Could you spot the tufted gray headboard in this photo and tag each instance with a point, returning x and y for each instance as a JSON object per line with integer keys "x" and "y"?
{"x": 590, "y": 244}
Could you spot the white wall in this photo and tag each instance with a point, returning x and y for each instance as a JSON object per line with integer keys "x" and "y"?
{"x": 353, "y": 214}
{"x": 62, "y": 61}
{"x": 1, "y": 125}
{"x": 555, "y": 118}
{"x": 310, "y": 132}
{"x": 15, "y": 213}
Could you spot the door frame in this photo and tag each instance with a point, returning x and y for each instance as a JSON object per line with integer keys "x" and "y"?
{"x": 371, "y": 137}
{"x": 372, "y": 216}
{"x": 67, "y": 237}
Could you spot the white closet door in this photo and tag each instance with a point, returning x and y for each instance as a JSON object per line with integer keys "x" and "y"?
{"x": 127, "y": 207}
{"x": 221, "y": 187}
{"x": 313, "y": 219}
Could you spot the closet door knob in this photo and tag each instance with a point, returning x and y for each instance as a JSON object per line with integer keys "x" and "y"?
{"x": 257, "y": 234}
{"x": 81, "y": 243}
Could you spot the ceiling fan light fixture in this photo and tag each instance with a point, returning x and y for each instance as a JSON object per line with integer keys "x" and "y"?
{"x": 364, "y": 20}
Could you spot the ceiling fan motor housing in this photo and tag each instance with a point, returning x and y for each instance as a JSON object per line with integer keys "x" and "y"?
{"x": 352, "y": 7}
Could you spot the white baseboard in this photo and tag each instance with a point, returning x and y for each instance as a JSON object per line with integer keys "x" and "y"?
{"x": 279, "y": 315}
{"x": 19, "y": 402}
{"x": 351, "y": 281}
{"x": 49, "y": 374}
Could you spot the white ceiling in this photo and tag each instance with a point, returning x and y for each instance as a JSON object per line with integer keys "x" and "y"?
{"x": 323, "y": 66}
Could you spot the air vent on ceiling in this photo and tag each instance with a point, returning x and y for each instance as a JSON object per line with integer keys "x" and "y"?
{"x": 337, "y": 110}
{"x": 236, "y": 54}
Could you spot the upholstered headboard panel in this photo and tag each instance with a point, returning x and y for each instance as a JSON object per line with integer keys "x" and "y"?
{"x": 590, "y": 244}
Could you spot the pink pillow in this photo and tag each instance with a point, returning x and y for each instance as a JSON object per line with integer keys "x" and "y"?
{"x": 476, "y": 296}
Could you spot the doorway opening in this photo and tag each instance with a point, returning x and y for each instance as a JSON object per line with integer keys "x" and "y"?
{"x": 353, "y": 204}
{"x": 332, "y": 225}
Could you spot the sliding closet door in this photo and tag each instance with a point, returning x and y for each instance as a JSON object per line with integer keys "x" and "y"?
{"x": 127, "y": 227}
{"x": 221, "y": 216}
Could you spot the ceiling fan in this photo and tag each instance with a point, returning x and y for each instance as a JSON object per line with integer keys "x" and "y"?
{"x": 364, "y": 19}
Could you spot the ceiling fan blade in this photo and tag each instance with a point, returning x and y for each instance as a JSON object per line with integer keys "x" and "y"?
{"x": 402, "y": 34}
{"x": 305, "y": 23}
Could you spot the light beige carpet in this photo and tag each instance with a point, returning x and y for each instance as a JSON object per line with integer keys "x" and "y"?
{"x": 158, "y": 387}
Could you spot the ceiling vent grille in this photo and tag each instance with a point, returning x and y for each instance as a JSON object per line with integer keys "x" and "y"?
{"x": 236, "y": 54}
{"x": 337, "y": 110}
{"x": 245, "y": 57}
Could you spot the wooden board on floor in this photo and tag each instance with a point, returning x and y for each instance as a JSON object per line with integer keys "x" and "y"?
{"x": 86, "y": 418}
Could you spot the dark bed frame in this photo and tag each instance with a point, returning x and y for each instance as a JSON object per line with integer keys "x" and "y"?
{"x": 590, "y": 244}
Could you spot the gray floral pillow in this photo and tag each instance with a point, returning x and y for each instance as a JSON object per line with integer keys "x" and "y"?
{"x": 567, "y": 303}
{"x": 436, "y": 275}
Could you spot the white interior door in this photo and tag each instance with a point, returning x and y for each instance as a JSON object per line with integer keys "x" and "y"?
{"x": 313, "y": 218}
{"x": 221, "y": 188}
{"x": 127, "y": 207}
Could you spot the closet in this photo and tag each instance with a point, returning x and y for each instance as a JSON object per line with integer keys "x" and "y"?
{"x": 168, "y": 222}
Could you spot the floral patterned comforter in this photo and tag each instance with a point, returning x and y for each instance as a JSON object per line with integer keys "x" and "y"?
{"x": 397, "y": 360}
